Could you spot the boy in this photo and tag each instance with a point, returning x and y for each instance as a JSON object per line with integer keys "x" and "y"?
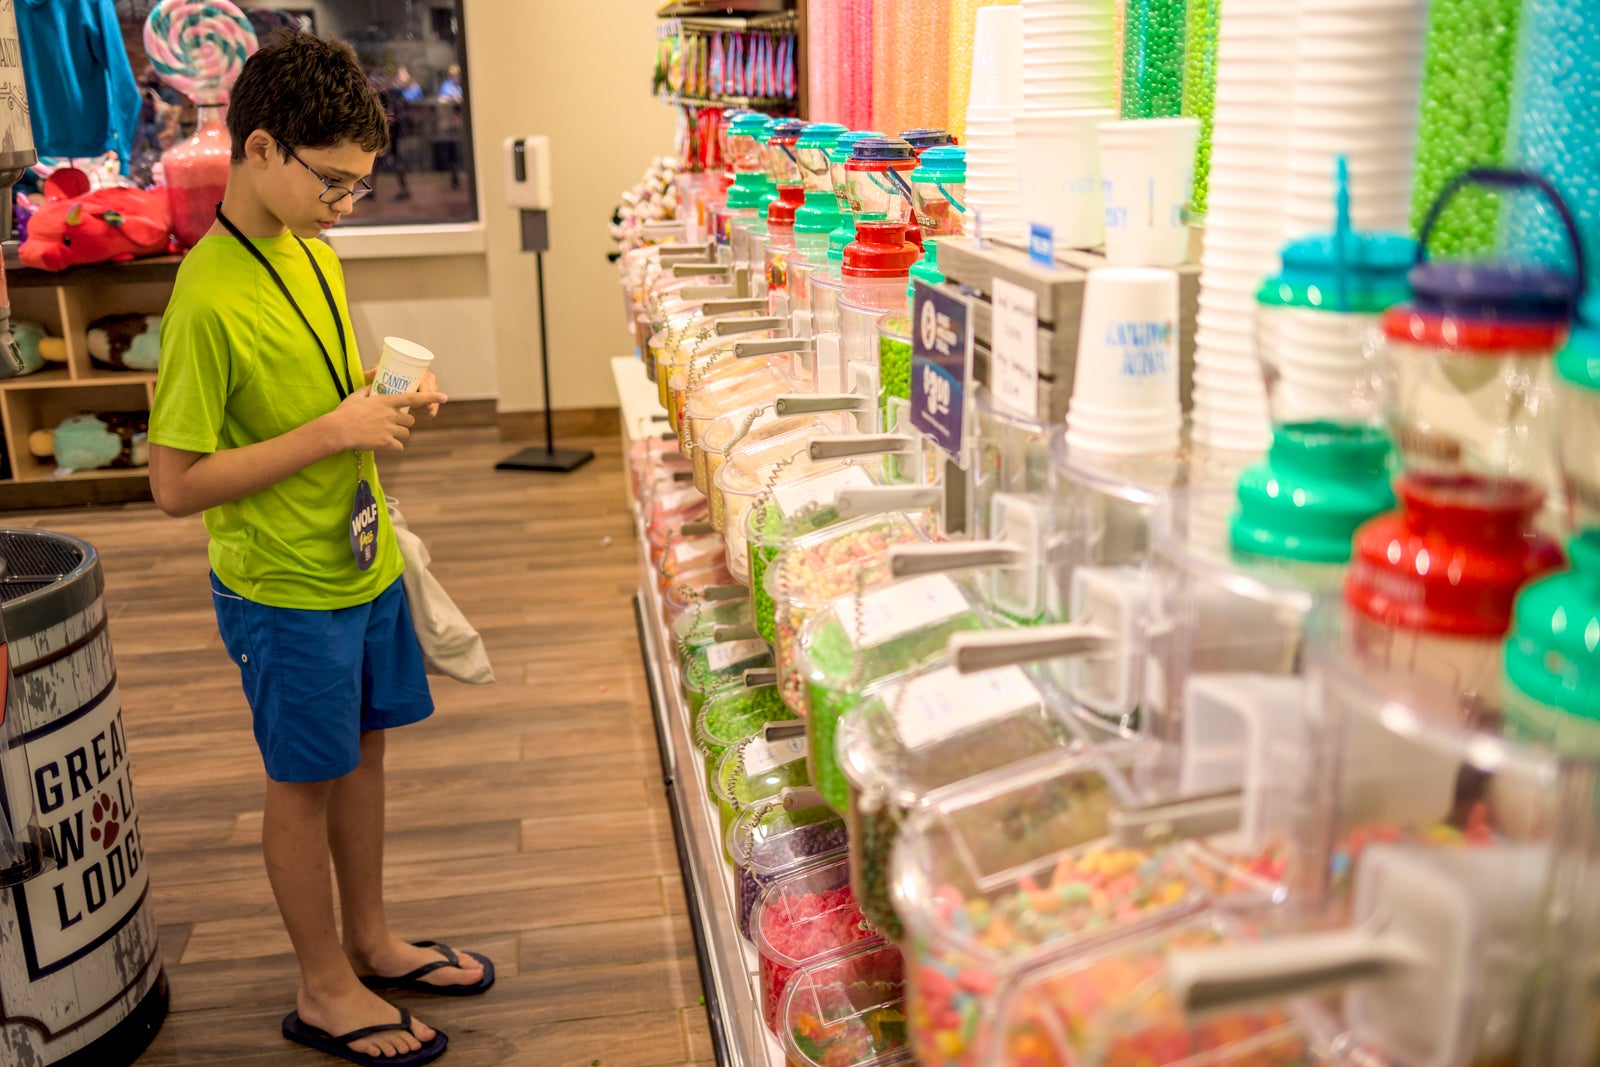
{"x": 259, "y": 423}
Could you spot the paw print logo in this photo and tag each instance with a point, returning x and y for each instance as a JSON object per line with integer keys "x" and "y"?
{"x": 105, "y": 815}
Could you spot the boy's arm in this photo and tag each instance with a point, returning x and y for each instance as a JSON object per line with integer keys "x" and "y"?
{"x": 185, "y": 483}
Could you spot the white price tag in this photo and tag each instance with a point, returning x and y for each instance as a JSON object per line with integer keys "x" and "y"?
{"x": 796, "y": 496}
{"x": 943, "y": 703}
{"x": 678, "y": 500}
{"x": 899, "y": 609}
{"x": 721, "y": 657}
{"x": 762, "y": 756}
{"x": 1014, "y": 352}
{"x": 689, "y": 548}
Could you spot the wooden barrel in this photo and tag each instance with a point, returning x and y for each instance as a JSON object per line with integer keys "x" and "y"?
{"x": 81, "y": 980}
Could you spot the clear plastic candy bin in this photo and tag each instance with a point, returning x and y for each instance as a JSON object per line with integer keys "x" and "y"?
{"x": 729, "y": 717}
{"x": 804, "y": 918}
{"x": 1111, "y": 1007}
{"x": 1010, "y": 873}
{"x": 702, "y": 624}
{"x": 1419, "y": 879}
{"x": 792, "y": 484}
{"x": 863, "y": 637}
{"x": 739, "y": 392}
{"x": 915, "y": 735}
{"x": 769, "y": 441}
{"x": 754, "y": 770}
{"x": 848, "y": 1011}
{"x": 769, "y": 841}
{"x": 722, "y": 666}
{"x": 816, "y": 568}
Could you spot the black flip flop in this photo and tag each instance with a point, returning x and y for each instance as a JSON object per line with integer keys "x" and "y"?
{"x": 411, "y": 981}
{"x": 296, "y": 1030}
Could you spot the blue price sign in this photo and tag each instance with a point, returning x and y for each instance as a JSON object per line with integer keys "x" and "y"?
{"x": 1042, "y": 244}
{"x": 941, "y": 366}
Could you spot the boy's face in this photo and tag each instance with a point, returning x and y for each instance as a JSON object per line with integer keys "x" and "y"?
{"x": 293, "y": 188}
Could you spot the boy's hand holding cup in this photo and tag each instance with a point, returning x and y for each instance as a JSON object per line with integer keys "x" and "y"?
{"x": 405, "y": 367}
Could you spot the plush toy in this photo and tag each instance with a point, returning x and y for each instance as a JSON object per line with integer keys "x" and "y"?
{"x": 36, "y": 346}
{"x": 111, "y": 439}
{"x": 105, "y": 224}
{"x": 126, "y": 342}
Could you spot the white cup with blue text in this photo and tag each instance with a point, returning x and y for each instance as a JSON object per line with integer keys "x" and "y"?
{"x": 1148, "y": 167}
{"x": 1125, "y": 384}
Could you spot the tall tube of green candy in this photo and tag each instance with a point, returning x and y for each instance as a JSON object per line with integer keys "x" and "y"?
{"x": 1152, "y": 59}
{"x": 1468, "y": 66}
{"x": 1200, "y": 87}
{"x": 1555, "y": 129}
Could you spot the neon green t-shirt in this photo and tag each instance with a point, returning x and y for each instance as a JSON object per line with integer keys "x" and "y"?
{"x": 238, "y": 366}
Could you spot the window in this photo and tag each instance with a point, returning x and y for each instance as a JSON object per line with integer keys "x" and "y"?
{"x": 415, "y": 54}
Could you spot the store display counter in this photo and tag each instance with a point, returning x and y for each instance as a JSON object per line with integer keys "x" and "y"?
{"x": 728, "y": 963}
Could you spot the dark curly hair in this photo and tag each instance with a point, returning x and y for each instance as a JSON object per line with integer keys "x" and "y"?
{"x": 307, "y": 92}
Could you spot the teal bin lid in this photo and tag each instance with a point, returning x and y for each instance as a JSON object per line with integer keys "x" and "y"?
{"x": 1578, "y": 362}
{"x": 1553, "y": 651}
{"x": 1319, "y": 482}
{"x": 748, "y": 124}
{"x": 1349, "y": 270}
{"x": 926, "y": 268}
{"x": 847, "y": 141}
{"x": 942, "y": 163}
{"x": 820, "y": 135}
{"x": 768, "y": 127}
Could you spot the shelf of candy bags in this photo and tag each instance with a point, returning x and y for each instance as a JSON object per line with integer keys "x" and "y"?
{"x": 697, "y": 60}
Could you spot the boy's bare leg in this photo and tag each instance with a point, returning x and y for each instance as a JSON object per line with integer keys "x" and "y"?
{"x": 355, "y": 834}
{"x": 294, "y": 838}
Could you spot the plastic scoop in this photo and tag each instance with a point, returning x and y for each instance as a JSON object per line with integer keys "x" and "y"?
{"x": 729, "y": 327}
{"x": 850, "y": 446}
{"x": 1434, "y": 967}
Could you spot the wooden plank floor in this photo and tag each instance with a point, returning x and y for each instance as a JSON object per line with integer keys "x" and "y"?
{"x": 526, "y": 819}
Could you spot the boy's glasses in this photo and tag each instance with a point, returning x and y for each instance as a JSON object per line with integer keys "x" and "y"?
{"x": 332, "y": 191}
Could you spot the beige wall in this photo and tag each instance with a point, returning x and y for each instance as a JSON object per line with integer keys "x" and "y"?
{"x": 580, "y": 74}
{"x": 440, "y": 302}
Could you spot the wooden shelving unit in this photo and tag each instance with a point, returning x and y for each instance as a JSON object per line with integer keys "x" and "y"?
{"x": 65, "y": 303}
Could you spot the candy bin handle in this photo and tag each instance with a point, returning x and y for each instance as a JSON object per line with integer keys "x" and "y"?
{"x": 729, "y": 307}
{"x": 846, "y": 446}
{"x": 906, "y": 561}
{"x": 774, "y": 346}
{"x": 731, "y": 327}
{"x": 1181, "y": 819}
{"x": 1239, "y": 976}
{"x": 974, "y": 651}
{"x": 1498, "y": 178}
{"x": 854, "y": 501}
{"x": 811, "y": 404}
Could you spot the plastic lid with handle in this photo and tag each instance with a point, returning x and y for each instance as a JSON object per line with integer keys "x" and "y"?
{"x": 1348, "y": 270}
{"x": 1492, "y": 307}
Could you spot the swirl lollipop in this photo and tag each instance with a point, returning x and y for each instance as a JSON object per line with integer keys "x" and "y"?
{"x": 199, "y": 46}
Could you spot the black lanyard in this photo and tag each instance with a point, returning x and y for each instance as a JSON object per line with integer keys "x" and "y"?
{"x": 345, "y": 387}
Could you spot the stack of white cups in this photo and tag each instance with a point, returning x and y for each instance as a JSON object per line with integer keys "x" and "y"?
{"x": 1067, "y": 54}
{"x": 1068, "y": 60}
{"x": 1359, "y": 73}
{"x": 992, "y": 181}
{"x": 1256, "y": 49}
{"x": 1125, "y": 380}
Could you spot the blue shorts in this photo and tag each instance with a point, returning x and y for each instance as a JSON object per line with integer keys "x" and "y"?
{"x": 316, "y": 680}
